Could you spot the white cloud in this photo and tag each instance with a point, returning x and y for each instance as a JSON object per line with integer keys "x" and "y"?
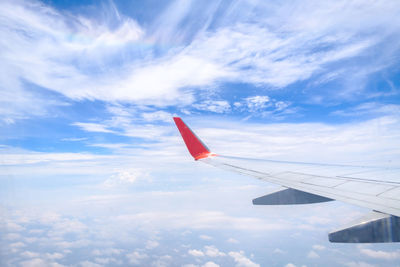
{"x": 136, "y": 257}
{"x": 217, "y": 106}
{"x": 202, "y": 219}
{"x": 125, "y": 177}
{"x": 113, "y": 146}
{"x": 151, "y": 244}
{"x": 157, "y": 116}
{"x": 312, "y": 255}
{"x": 79, "y": 243}
{"x": 12, "y": 226}
{"x": 105, "y": 261}
{"x": 256, "y": 103}
{"x": 33, "y": 56}
{"x": 364, "y": 142}
{"x": 281, "y": 105}
{"x": 213, "y": 252}
{"x": 319, "y": 247}
{"x": 12, "y": 236}
{"x": 36, "y": 231}
{"x": 30, "y": 254}
{"x": 89, "y": 264}
{"x": 107, "y": 251}
{"x": 93, "y": 127}
{"x": 196, "y": 253}
{"x": 241, "y": 260}
{"x": 370, "y": 108}
{"x": 58, "y": 50}
{"x": 65, "y": 226}
{"x": 37, "y": 262}
{"x": 125, "y": 126}
{"x": 54, "y": 256}
{"x": 101, "y": 36}
{"x": 378, "y": 254}
{"x": 17, "y": 245}
{"x": 358, "y": 264}
{"x": 290, "y": 265}
{"x": 73, "y": 139}
{"x": 162, "y": 261}
{"x": 372, "y": 141}
{"x": 210, "y": 264}
{"x": 278, "y": 251}
{"x": 264, "y": 106}
{"x": 56, "y": 44}
{"x": 163, "y": 79}
{"x": 233, "y": 241}
{"x": 22, "y": 157}
{"x": 205, "y": 237}
{"x": 257, "y": 55}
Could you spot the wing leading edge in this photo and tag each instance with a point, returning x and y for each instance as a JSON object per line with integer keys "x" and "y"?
{"x": 370, "y": 187}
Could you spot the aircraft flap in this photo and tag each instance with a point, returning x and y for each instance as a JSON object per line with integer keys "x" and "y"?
{"x": 289, "y": 196}
{"x": 376, "y": 227}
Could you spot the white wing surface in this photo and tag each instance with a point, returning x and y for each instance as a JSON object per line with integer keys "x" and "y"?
{"x": 370, "y": 187}
{"x": 376, "y": 188}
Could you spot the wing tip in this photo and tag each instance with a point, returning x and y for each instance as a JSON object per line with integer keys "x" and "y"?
{"x": 196, "y": 147}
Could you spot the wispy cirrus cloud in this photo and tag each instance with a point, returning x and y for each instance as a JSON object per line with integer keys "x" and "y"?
{"x": 370, "y": 109}
{"x": 78, "y": 59}
{"x": 93, "y": 127}
{"x": 157, "y": 116}
{"x": 16, "y": 157}
{"x": 124, "y": 126}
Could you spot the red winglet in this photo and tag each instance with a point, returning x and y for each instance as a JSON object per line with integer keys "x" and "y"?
{"x": 197, "y": 149}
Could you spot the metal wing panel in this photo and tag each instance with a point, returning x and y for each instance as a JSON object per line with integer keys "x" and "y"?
{"x": 392, "y": 194}
{"x": 330, "y": 181}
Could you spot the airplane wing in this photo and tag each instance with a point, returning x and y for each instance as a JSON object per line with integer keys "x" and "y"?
{"x": 375, "y": 188}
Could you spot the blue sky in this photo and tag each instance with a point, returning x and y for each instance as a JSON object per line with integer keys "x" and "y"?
{"x": 93, "y": 171}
